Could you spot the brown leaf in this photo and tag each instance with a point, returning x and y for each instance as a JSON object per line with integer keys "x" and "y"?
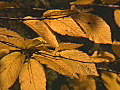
{"x": 102, "y": 57}
{"x": 82, "y": 68}
{"x": 81, "y": 2}
{"x": 111, "y": 81}
{"x": 10, "y": 66}
{"x": 65, "y": 26}
{"x": 66, "y": 46}
{"x": 109, "y": 1}
{"x": 116, "y": 48}
{"x": 57, "y": 65}
{"x": 58, "y": 13}
{"x": 40, "y": 28}
{"x": 95, "y": 27}
{"x": 117, "y": 17}
{"x": 32, "y": 76}
{"x": 75, "y": 55}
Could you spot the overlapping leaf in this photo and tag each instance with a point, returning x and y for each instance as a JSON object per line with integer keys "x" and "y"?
{"x": 65, "y": 26}
{"x": 117, "y": 17}
{"x": 10, "y": 67}
{"x": 57, "y": 65}
{"x": 44, "y": 31}
{"x": 32, "y": 76}
{"x": 95, "y": 27}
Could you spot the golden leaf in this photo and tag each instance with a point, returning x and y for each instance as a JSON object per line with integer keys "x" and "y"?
{"x": 95, "y": 27}
{"x": 82, "y": 68}
{"x": 57, "y": 65}
{"x": 116, "y": 48}
{"x": 109, "y": 1}
{"x": 65, "y": 26}
{"x": 4, "y": 31}
{"x": 75, "y": 55}
{"x": 4, "y": 5}
{"x": 117, "y": 17}
{"x": 102, "y": 57}
{"x": 11, "y": 41}
{"x": 10, "y": 66}
{"x": 82, "y": 2}
{"x": 40, "y": 28}
{"x": 3, "y": 52}
{"x": 58, "y": 13}
{"x": 66, "y": 46}
{"x": 111, "y": 81}
{"x": 32, "y": 76}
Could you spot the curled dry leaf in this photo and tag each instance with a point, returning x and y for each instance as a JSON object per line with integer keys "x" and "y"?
{"x": 95, "y": 27}
{"x": 65, "y": 26}
{"x": 57, "y": 65}
{"x": 109, "y": 1}
{"x": 116, "y": 48}
{"x": 75, "y": 55}
{"x": 117, "y": 17}
{"x": 32, "y": 76}
{"x": 66, "y": 46}
{"x": 44, "y": 31}
{"x": 58, "y": 13}
{"x": 102, "y": 57}
{"x": 111, "y": 80}
{"x": 82, "y": 2}
{"x": 10, "y": 66}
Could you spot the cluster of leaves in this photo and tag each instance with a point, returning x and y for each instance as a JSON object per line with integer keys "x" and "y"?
{"x": 25, "y": 58}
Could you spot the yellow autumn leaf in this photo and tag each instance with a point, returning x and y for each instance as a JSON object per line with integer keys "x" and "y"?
{"x": 82, "y": 2}
{"x": 102, "y": 57}
{"x": 75, "y": 55}
{"x": 109, "y": 1}
{"x": 82, "y": 68}
{"x": 116, "y": 47}
{"x": 44, "y": 31}
{"x": 66, "y": 46}
{"x": 111, "y": 80}
{"x": 32, "y": 76}
{"x": 117, "y": 17}
{"x": 65, "y": 26}
{"x": 4, "y": 31}
{"x": 57, "y": 65}
{"x": 58, "y": 13}
{"x": 3, "y": 52}
{"x": 10, "y": 67}
{"x": 95, "y": 27}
